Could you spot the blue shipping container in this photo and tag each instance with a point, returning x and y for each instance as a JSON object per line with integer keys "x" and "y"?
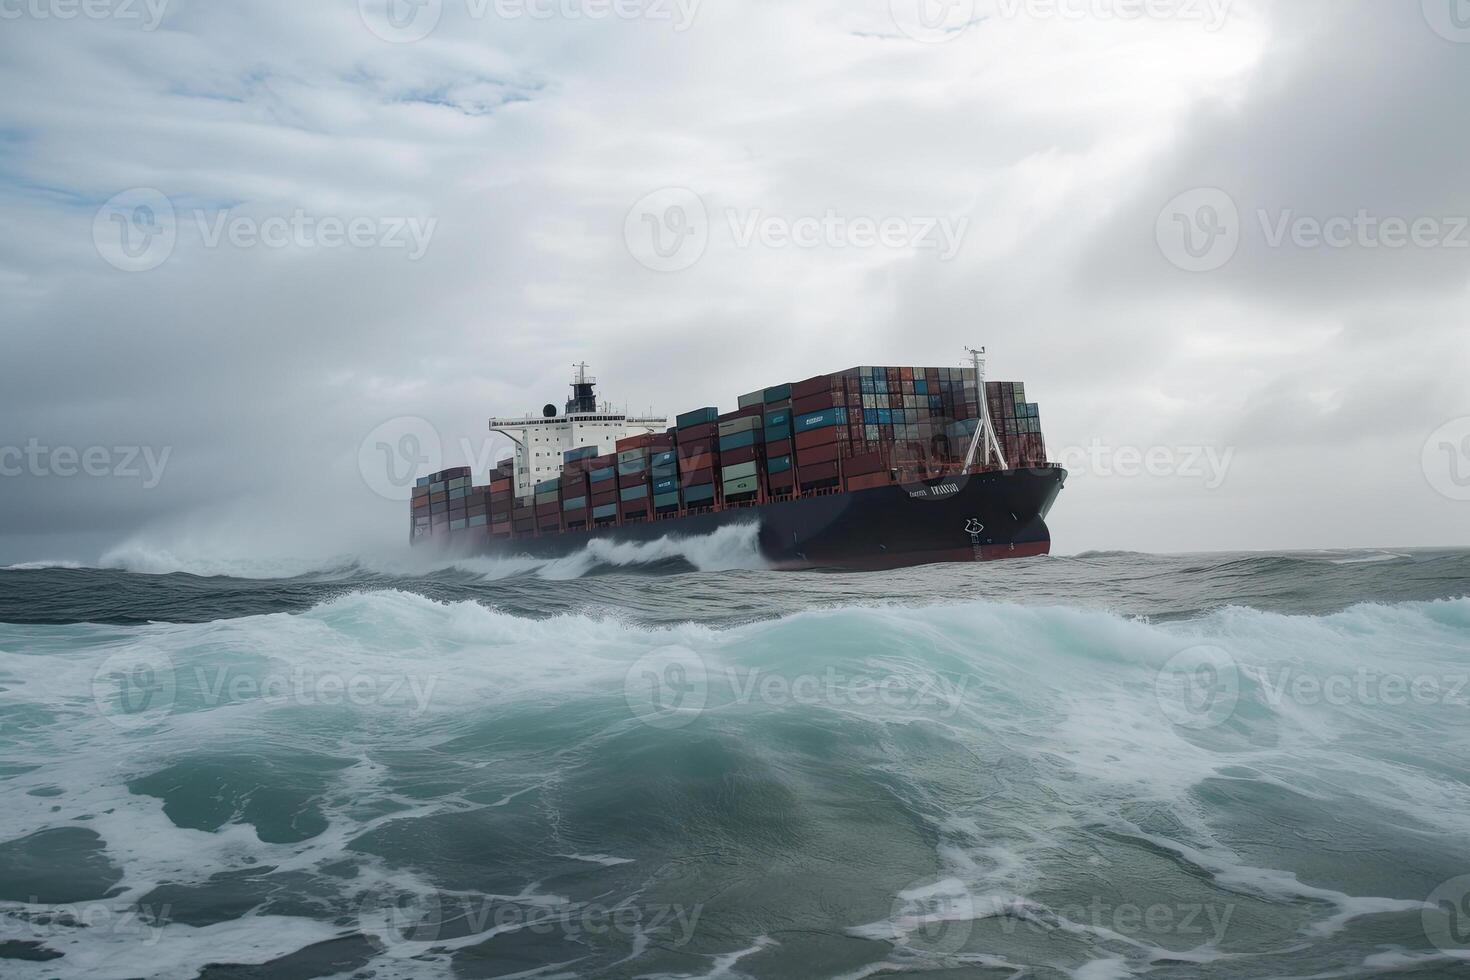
{"x": 739, "y": 441}
{"x": 821, "y": 420}
{"x": 697, "y": 417}
{"x": 597, "y": 476}
{"x": 606, "y": 510}
{"x": 633, "y": 493}
{"x": 694, "y": 495}
{"x": 778, "y": 464}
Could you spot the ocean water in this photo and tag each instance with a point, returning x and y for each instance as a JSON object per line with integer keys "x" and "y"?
{"x": 665, "y": 762}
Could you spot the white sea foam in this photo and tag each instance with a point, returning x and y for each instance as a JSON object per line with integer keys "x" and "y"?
{"x": 1066, "y": 694}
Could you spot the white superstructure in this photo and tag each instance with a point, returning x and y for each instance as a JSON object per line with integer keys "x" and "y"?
{"x": 540, "y": 442}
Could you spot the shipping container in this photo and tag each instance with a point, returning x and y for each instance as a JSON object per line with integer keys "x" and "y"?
{"x": 741, "y": 487}
{"x": 699, "y": 495}
{"x": 738, "y": 471}
{"x": 666, "y": 501}
{"x": 807, "y": 421}
{"x": 779, "y": 393}
{"x": 754, "y": 398}
{"x": 699, "y": 416}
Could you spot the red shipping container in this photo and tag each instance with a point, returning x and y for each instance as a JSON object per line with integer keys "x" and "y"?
{"x": 869, "y": 481}
{"x": 438, "y": 498}
{"x": 575, "y": 516}
{"x": 781, "y": 447}
{"x": 817, "y": 473}
{"x": 603, "y": 499}
{"x": 697, "y": 461}
{"x": 740, "y": 413}
{"x": 548, "y": 510}
{"x": 817, "y": 454}
{"x": 421, "y": 493}
{"x": 819, "y": 437}
{"x": 745, "y": 454}
{"x": 703, "y": 444}
{"x": 636, "y": 508}
{"x": 635, "y": 442}
{"x": 603, "y": 486}
{"x": 865, "y": 463}
{"x": 811, "y": 386}
{"x": 813, "y": 403}
{"x": 781, "y": 483}
{"x": 697, "y": 478}
{"x": 704, "y": 430}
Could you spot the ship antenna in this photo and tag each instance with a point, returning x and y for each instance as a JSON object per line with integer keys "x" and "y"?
{"x": 985, "y": 431}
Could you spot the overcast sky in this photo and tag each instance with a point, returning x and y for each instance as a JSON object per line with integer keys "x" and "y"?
{"x": 243, "y": 237}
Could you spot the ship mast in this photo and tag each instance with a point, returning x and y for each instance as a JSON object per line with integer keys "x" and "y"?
{"x": 985, "y": 431}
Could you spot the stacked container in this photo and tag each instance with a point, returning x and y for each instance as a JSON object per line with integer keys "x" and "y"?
{"x": 573, "y": 492}
{"x": 820, "y": 432}
{"x": 602, "y": 488}
{"x": 502, "y": 498}
{"x": 780, "y": 458}
{"x": 548, "y": 506}
{"x": 742, "y": 452}
{"x": 635, "y": 489}
{"x": 698, "y": 457}
{"x": 664, "y": 474}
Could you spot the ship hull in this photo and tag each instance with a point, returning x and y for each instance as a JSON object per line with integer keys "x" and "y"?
{"x": 982, "y": 517}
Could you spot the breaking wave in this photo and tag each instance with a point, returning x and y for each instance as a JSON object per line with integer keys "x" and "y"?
{"x": 751, "y": 794}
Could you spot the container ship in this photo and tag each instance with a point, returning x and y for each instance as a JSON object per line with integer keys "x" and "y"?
{"x": 867, "y": 468}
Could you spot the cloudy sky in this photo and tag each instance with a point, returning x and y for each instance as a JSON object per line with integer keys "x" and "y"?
{"x": 1222, "y": 243}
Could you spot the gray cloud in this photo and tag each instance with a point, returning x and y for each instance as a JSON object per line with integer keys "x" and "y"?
{"x": 528, "y": 141}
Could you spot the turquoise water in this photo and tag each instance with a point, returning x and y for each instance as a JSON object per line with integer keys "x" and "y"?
{"x": 1105, "y": 766}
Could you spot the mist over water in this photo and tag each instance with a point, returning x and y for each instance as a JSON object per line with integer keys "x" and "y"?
{"x": 667, "y": 762}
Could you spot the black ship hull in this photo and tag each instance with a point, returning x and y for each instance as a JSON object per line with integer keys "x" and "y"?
{"x": 982, "y": 517}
